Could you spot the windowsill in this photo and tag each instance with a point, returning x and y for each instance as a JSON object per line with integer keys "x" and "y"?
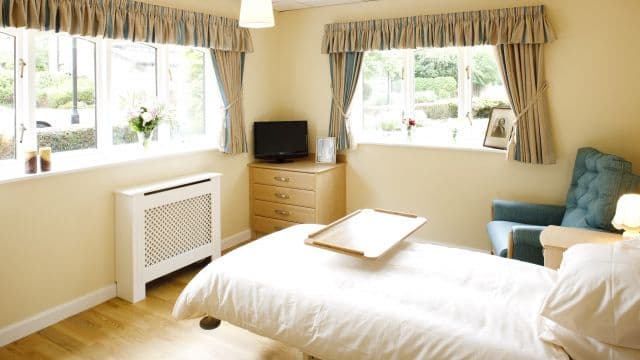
{"x": 396, "y": 143}
{"x": 77, "y": 161}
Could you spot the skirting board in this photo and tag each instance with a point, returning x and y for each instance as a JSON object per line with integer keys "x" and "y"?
{"x": 237, "y": 239}
{"x": 49, "y": 317}
{"x": 56, "y": 314}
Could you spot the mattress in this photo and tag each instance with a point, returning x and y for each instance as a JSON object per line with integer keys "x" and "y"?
{"x": 419, "y": 301}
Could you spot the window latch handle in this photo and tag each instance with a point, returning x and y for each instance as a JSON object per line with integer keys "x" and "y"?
{"x": 22, "y": 130}
{"x": 22, "y": 64}
{"x": 468, "y": 70}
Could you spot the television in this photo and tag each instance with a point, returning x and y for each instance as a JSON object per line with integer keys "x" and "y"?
{"x": 280, "y": 141}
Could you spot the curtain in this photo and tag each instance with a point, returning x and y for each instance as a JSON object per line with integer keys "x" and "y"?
{"x": 229, "y": 68}
{"x": 523, "y": 77}
{"x": 128, "y": 20}
{"x": 521, "y": 25}
{"x": 345, "y": 70}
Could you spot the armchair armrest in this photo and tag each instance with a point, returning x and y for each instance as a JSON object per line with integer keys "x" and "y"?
{"x": 525, "y": 244}
{"x": 527, "y": 213}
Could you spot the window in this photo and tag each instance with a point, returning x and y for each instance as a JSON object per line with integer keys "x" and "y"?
{"x": 186, "y": 103}
{"x": 65, "y": 89}
{"x": 448, "y": 91}
{"x": 74, "y": 93}
{"x": 7, "y": 96}
{"x": 133, "y": 83}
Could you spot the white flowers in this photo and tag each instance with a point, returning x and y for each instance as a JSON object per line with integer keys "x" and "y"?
{"x": 146, "y": 117}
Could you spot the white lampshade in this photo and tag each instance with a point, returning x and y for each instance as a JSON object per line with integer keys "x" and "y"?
{"x": 628, "y": 215}
{"x": 256, "y": 14}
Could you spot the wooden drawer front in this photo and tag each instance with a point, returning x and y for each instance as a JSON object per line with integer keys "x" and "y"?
{"x": 297, "y": 214}
{"x": 284, "y": 195}
{"x": 284, "y": 178}
{"x": 266, "y": 226}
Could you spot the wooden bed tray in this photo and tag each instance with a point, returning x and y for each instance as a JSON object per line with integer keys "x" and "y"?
{"x": 366, "y": 233}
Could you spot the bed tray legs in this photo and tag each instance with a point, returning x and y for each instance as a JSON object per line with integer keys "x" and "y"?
{"x": 209, "y": 323}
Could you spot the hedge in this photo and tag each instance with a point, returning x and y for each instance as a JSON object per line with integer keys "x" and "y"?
{"x": 480, "y": 109}
{"x": 67, "y": 140}
{"x": 6, "y": 148}
{"x": 443, "y": 87}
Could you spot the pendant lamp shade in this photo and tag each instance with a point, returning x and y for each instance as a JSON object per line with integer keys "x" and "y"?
{"x": 256, "y": 14}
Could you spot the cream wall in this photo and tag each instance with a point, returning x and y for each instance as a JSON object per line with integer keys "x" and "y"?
{"x": 56, "y": 233}
{"x": 593, "y": 74}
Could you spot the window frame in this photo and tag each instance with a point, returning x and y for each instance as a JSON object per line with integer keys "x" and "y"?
{"x": 25, "y": 94}
{"x": 464, "y": 99}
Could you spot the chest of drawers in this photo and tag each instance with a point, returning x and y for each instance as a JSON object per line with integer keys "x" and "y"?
{"x": 300, "y": 192}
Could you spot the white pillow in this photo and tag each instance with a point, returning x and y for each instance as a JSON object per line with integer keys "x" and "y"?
{"x": 582, "y": 347}
{"x": 597, "y": 293}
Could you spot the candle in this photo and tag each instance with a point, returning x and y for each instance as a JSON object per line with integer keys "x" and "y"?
{"x": 45, "y": 158}
{"x": 30, "y": 162}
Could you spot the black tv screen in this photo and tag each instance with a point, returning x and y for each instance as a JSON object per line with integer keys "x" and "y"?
{"x": 280, "y": 140}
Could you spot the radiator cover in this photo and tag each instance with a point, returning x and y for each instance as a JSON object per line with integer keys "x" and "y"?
{"x": 163, "y": 227}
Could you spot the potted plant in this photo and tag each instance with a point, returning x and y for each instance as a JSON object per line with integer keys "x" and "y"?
{"x": 144, "y": 121}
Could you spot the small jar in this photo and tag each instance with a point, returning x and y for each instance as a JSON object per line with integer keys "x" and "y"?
{"x": 30, "y": 162}
{"x": 45, "y": 158}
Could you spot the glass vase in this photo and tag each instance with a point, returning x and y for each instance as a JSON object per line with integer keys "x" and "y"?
{"x": 144, "y": 139}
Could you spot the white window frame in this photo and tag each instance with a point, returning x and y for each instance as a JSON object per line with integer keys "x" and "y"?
{"x": 465, "y": 95}
{"x": 25, "y": 100}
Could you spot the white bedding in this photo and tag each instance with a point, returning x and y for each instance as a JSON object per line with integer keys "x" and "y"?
{"x": 419, "y": 302}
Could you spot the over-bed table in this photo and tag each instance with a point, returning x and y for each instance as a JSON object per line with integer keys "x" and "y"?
{"x": 417, "y": 302}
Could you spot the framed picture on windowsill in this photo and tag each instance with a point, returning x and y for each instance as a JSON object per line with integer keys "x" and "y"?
{"x": 326, "y": 150}
{"x": 499, "y": 128}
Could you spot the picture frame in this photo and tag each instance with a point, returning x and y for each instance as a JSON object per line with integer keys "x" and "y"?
{"x": 499, "y": 128}
{"x": 326, "y": 150}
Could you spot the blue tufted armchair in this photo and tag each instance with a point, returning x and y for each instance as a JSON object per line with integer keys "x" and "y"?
{"x": 598, "y": 182}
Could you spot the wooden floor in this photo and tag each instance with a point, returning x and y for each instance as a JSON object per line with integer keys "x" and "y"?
{"x": 146, "y": 330}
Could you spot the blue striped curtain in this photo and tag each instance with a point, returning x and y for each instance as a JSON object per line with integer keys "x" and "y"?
{"x": 345, "y": 71}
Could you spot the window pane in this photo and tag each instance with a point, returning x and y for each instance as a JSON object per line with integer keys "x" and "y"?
{"x": 384, "y": 91}
{"x": 488, "y": 89}
{"x": 65, "y": 119}
{"x": 7, "y": 97}
{"x": 185, "y": 110}
{"x": 436, "y": 95}
{"x": 133, "y": 84}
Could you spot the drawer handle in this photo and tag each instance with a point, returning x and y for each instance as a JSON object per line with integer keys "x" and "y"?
{"x": 282, "y": 212}
{"x": 281, "y": 179}
{"x": 282, "y": 196}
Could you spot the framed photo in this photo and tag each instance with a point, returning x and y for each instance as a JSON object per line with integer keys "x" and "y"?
{"x": 499, "y": 128}
{"x": 326, "y": 150}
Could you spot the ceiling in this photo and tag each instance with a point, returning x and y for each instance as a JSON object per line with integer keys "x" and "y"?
{"x": 286, "y": 5}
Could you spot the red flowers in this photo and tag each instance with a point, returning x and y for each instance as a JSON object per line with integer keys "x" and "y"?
{"x": 409, "y": 122}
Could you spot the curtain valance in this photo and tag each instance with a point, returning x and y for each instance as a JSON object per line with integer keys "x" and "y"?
{"x": 521, "y": 25}
{"x": 129, "y": 20}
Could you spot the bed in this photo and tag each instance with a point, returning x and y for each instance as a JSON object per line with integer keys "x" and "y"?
{"x": 419, "y": 301}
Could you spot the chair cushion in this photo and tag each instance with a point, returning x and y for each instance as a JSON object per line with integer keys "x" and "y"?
{"x": 499, "y": 235}
{"x": 598, "y": 181}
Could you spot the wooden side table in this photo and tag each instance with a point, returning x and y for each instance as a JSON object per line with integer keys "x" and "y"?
{"x": 556, "y": 239}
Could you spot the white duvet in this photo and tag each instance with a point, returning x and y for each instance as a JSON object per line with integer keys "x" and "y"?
{"x": 419, "y": 302}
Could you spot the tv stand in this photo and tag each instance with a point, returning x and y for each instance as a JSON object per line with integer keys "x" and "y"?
{"x": 281, "y": 161}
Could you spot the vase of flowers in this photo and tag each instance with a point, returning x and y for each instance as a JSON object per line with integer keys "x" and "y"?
{"x": 144, "y": 121}
{"x": 410, "y": 125}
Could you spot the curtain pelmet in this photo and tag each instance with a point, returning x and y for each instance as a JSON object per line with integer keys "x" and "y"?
{"x": 522, "y": 25}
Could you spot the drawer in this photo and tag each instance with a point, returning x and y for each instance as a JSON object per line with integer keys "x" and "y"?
{"x": 284, "y": 195}
{"x": 284, "y": 178}
{"x": 266, "y": 226}
{"x": 297, "y": 214}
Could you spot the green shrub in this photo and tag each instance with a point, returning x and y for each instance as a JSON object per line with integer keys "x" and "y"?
{"x": 6, "y": 89}
{"x": 7, "y": 148}
{"x": 443, "y": 87}
{"x": 440, "y": 111}
{"x": 481, "y": 109}
{"x": 67, "y": 140}
{"x": 123, "y": 135}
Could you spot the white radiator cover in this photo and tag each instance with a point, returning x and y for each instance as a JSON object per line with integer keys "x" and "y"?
{"x": 163, "y": 227}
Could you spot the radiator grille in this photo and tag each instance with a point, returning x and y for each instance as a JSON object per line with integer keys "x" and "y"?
{"x": 176, "y": 228}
